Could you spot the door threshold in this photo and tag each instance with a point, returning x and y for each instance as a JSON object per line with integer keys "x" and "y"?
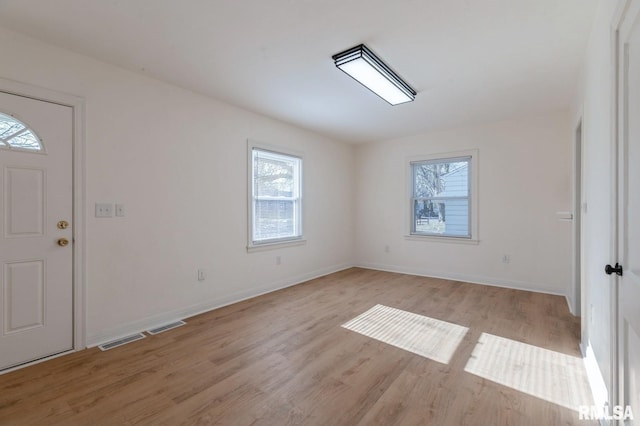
{"x": 36, "y": 361}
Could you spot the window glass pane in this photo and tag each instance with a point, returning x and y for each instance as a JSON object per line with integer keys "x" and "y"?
{"x": 441, "y": 197}
{"x": 15, "y": 134}
{"x": 276, "y": 196}
{"x": 9, "y": 126}
{"x": 274, "y": 219}
{"x": 26, "y": 140}
{"x": 440, "y": 179}
{"x": 442, "y": 217}
{"x": 274, "y": 175}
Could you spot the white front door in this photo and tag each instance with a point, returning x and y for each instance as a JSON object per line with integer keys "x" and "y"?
{"x": 36, "y": 188}
{"x": 629, "y": 212}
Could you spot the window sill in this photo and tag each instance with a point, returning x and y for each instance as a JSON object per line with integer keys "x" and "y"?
{"x": 433, "y": 238}
{"x": 275, "y": 245}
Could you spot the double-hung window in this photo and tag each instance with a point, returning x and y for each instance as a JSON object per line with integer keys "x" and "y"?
{"x": 275, "y": 197}
{"x": 441, "y": 200}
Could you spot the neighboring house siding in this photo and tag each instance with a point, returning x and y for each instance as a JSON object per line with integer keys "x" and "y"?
{"x": 457, "y": 211}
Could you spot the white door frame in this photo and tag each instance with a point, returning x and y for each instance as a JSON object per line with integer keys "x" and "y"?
{"x": 625, "y": 7}
{"x": 79, "y": 179}
{"x": 613, "y": 252}
{"x": 617, "y": 21}
{"x": 576, "y": 293}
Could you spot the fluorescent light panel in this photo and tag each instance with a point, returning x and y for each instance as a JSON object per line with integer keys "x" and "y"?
{"x": 366, "y": 68}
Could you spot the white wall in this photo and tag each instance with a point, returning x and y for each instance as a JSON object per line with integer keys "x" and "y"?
{"x": 524, "y": 180}
{"x": 177, "y": 161}
{"x": 594, "y": 104}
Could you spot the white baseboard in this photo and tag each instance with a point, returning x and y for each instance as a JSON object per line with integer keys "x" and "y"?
{"x": 473, "y": 279}
{"x": 141, "y": 325}
{"x": 571, "y": 307}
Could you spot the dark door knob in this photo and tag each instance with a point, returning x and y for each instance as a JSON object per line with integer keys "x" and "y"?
{"x": 611, "y": 269}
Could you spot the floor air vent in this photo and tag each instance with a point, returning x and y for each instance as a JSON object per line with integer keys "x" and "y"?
{"x": 120, "y": 342}
{"x": 159, "y": 330}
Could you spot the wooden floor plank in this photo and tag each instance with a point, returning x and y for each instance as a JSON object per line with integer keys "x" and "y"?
{"x": 283, "y": 358}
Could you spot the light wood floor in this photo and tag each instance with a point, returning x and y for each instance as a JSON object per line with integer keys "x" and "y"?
{"x": 283, "y": 359}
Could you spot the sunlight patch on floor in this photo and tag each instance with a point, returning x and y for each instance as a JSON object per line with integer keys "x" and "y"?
{"x": 545, "y": 374}
{"x": 424, "y": 336}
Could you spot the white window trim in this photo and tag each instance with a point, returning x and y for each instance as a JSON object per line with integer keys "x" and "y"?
{"x": 473, "y": 197}
{"x": 282, "y": 242}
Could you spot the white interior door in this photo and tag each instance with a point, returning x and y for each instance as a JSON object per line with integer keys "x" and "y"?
{"x": 36, "y": 189}
{"x": 629, "y": 211}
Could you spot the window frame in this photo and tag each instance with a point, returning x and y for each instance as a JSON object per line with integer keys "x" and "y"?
{"x": 298, "y": 239}
{"x": 472, "y": 156}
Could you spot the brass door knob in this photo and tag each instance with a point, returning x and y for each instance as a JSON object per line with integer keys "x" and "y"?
{"x": 62, "y": 242}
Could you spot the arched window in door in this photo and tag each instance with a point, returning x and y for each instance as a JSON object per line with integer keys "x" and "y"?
{"x": 14, "y": 134}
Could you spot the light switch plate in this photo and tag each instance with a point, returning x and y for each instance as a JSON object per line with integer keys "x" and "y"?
{"x": 104, "y": 210}
{"x": 120, "y": 210}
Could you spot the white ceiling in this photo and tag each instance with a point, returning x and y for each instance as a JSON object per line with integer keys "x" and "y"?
{"x": 469, "y": 60}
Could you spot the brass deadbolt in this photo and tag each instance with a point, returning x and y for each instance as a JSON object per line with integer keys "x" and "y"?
{"x": 63, "y": 224}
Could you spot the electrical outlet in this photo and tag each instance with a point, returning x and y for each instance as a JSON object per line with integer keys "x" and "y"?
{"x": 506, "y": 258}
{"x": 202, "y": 274}
{"x": 104, "y": 210}
{"x": 119, "y": 210}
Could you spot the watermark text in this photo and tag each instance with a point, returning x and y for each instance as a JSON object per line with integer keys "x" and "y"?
{"x": 596, "y": 412}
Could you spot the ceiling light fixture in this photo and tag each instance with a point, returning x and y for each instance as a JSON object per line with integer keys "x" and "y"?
{"x": 366, "y": 68}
